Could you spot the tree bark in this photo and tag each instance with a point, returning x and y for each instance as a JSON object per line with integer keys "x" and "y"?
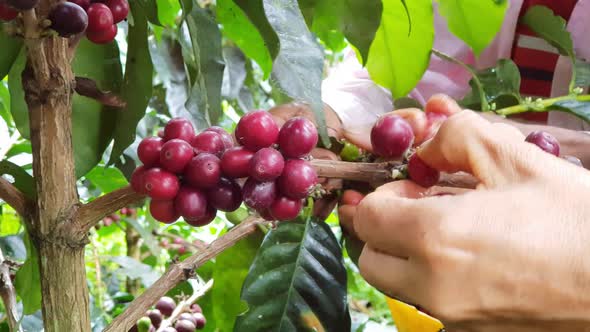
{"x": 48, "y": 83}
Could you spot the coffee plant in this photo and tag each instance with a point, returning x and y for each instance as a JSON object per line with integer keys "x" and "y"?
{"x": 145, "y": 186}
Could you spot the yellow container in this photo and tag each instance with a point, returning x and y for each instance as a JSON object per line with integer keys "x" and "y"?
{"x": 409, "y": 319}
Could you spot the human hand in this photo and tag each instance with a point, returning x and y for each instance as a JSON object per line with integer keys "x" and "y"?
{"x": 508, "y": 256}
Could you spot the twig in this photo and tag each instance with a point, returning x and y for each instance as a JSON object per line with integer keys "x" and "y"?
{"x": 184, "y": 242}
{"x": 91, "y": 213}
{"x": 180, "y": 272}
{"x": 8, "y": 295}
{"x": 13, "y": 197}
{"x": 87, "y": 87}
{"x": 185, "y": 305}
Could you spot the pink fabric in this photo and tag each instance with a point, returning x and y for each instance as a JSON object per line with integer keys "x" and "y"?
{"x": 358, "y": 101}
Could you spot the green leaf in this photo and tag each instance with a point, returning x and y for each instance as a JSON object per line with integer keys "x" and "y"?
{"x": 238, "y": 28}
{"x": 23, "y": 181}
{"x": 107, "y": 179}
{"x": 11, "y": 47}
{"x": 254, "y": 9}
{"x": 234, "y": 75}
{"x": 551, "y": 27}
{"x": 397, "y": 60}
{"x": 298, "y": 68}
{"x": 476, "y": 22}
{"x": 92, "y": 123}
{"x": 167, "y": 12}
{"x": 501, "y": 85}
{"x": 231, "y": 268}
{"x": 297, "y": 282}
{"x": 137, "y": 84}
{"x": 27, "y": 281}
{"x": 205, "y": 97}
{"x": 579, "y": 108}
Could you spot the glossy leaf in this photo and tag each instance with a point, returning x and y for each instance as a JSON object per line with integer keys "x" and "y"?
{"x": 11, "y": 47}
{"x": 107, "y": 179}
{"x": 238, "y": 28}
{"x": 297, "y": 282}
{"x": 235, "y": 72}
{"x": 476, "y": 22}
{"x": 137, "y": 84}
{"x": 92, "y": 123}
{"x": 23, "y": 181}
{"x": 397, "y": 60}
{"x": 231, "y": 269}
{"x": 579, "y": 108}
{"x": 205, "y": 96}
{"x": 167, "y": 11}
{"x": 298, "y": 68}
{"x": 254, "y": 9}
{"x": 501, "y": 85}
{"x": 551, "y": 27}
{"x": 27, "y": 282}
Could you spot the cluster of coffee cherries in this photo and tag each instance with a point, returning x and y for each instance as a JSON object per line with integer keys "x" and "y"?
{"x": 112, "y": 218}
{"x": 195, "y": 175}
{"x": 188, "y": 321}
{"x": 98, "y": 18}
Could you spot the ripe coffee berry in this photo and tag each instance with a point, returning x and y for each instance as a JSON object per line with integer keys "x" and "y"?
{"x": 196, "y": 308}
{"x": 298, "y": 137}
{"x": 179, "y": 128}
{"x": 205, "y": 220}
{"x": 68, "y": 19}
{"x": 298, "y": 179}
{"x": 7, "y": 13}
{"x": 166, "y": 305}
{"x": 119, "y": 9}
{"x": 183, "y": 325}
{"x": 545, "y": 141}
{"x": 266, "y": 165}
{"x": 102, "y": 36}
{"x": 190, "y": 203}
{"x": 149, "y": 150}
{"x": 259, "y": 195}
{"x": 209, "y": 142}
{"x": 160, "y": 184}
{"x": 235, "y": 162}
{"x": 203, "y": 171}
{"x": 82, "y": 3}
{"x": 257, "y": 130}
{"x": 22, "y": 4}
{"x": 137, "y": 180}
{"x": 421, "y": 173}
{"x": 163, "y": 211}
{"x": 285, "y": 208}
{"x": 175, "y": 155}
{"x": 228, "y": 141}
{"x": 225, "y": 196}
{"x": 391, "y": 136}
{"x": 201, "y": 321}
{"x": 100, "y": 17}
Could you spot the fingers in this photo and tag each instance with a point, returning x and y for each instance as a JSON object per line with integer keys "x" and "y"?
{"x": 392, "y": 218}
{"x": 393, "y": 276}
{"x": 495, "y": 154}
{"x": 442, "y": 104}
{"x": 417, "y": 120}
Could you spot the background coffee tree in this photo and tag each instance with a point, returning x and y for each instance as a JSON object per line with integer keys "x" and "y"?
{"x": 73, "y": 113}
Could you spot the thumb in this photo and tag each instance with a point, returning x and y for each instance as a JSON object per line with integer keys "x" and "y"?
{"x": 496, "y": 154}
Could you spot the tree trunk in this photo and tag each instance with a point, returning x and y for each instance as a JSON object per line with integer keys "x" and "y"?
{"x": 132, "y": 238}
{"x": 48, "y": 83}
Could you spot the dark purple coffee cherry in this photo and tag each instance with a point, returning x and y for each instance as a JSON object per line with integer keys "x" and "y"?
{"x": 259, "y": 195}
{"x": 68, "y": 19}
{"x": 166, "y": 305}
{"x": 421, "y": 173}
{"x": 298, "y": 137}
{"x": 160, "y": 184}
{"x": 100, "y": 17}
{"x": 285, "y": 208}
{"x": 228, "y": 140}
{"x": 545, "y": 141}
{"x": 208, "y": 142}
{"x": 164, "y": 211}
{"x": 175, "y": 155}
{"x": 119, "y": 8}
{"x": 201, "y": 321}
{"x": 235, "y": 162}
{"x": 82, "y": 3}
{"x": 191, "y": 203}
{"x": 179, "y": 128}
{"x": 155, "y": 316}
{"x": 137, "y": 180}
{"x": 195, "y": 308}
{"x": 6, "y": 13}
{"x": 185, "y": 326}
{"x": 149, "y": 149}
{"x": 225, "y": 196}
{"x": 209, "y": 216}
{"x": 391, "y": 136}
{"x": 187, "y": 316}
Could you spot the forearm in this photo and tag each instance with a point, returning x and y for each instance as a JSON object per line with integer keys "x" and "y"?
{"x": 573, "y": 143}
